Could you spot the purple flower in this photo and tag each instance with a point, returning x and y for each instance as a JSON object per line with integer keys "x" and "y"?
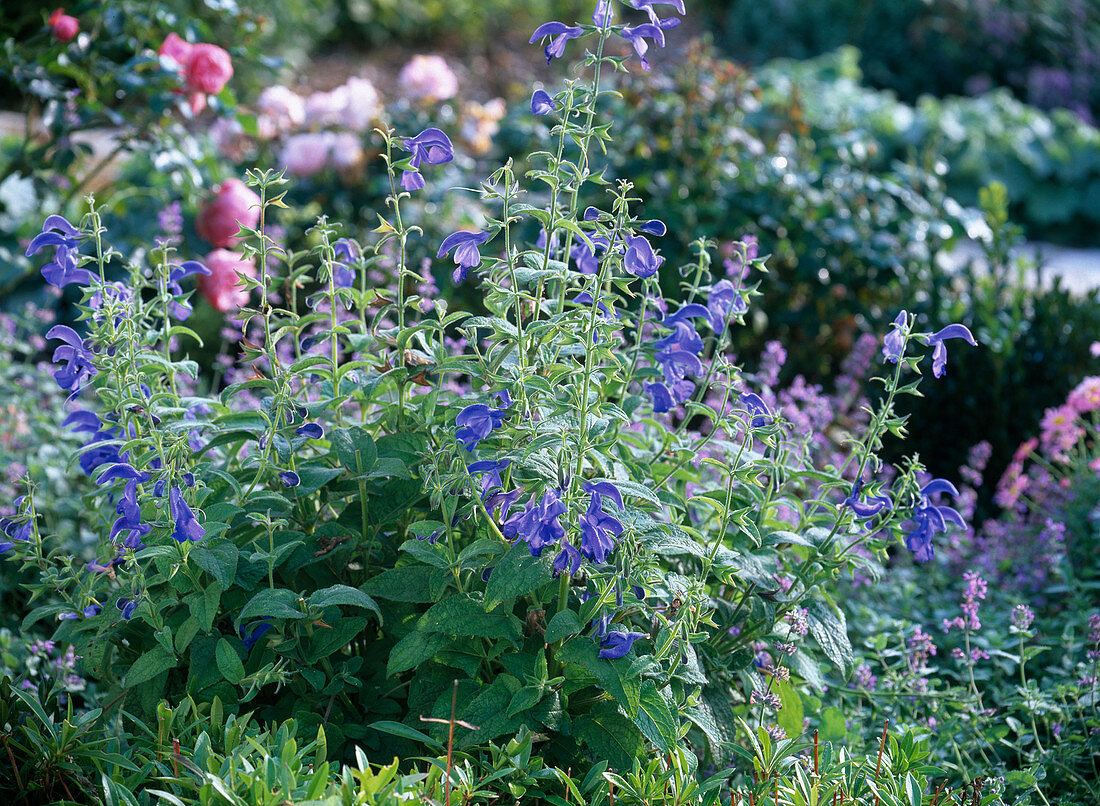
{"x": 640, "y": 259}
{"x": 723, "y": 300}
{"x": 538, "y": 524}
{"x": 182, "y": 309}
{"x": 491, "y": 471}
{"x": 542, "y": 103}
{"x": 465, "y": 246}
{"x": 187, "y": 526}
{"x": 654, "y": 227}
{"x": 58, "y": 232}
{"x": 929, "y": 519}
{"x": 347, "y": 252}
{"x": 587, "y": 259}
{"x": 604, "y": 14}
{"x": 253, "y": 633}
{"x": 289, "y": 478}
{"x": 569, "y": 558}
{"x": 476, "y": 422}
{"x": 76, "y": 358}
{"x": 662, "y": 396}
{"x": 598, "y": 529}
{"x": 617, "y": 644}
{"x": 559, "y": 34}
{"x": 637, "y": 38}
{"x": 874, "y": 505}
{"x": 127, "y": 607}
{"x": 759, "y": 415}
{"x": 431, "y": 146}
{"x": 939, "y": 353}
{"x": 893, "y": 344}
{"x": 647, "y": 6}
{"x": 310, "y": 431}
{"x": 591, "y": 214}
{"x": 128, "y": 525}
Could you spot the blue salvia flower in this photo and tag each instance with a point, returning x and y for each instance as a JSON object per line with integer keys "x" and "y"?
{"x": 347, "y": 252}
{"x": 559, "y": 34}
{"x": 58, "y": 232}
{"x": 253, "y": 633}
{"x": 504, "y": 501}
{"x": 431, "y": 146}
{"x": 568, "y": 558}
{"x": 647, "y": 6}
{"x": 587, "y": 259}
{"x": 640, "y": 259}
{"x": 182, "y": 309}
{"x": 721, "y": 302}
{"x": 127, "y": 606}
{"x": 465, "y": 246}
{"x": 538, "y": 524}
{"x": 637, "y": 38}
{"x": 759, "y": 415}
{"x": 88, "y": 612}
{"x": 598, "y": 529}
{"x": 310, "y": 431}
{"x": 684, "y": 335}
{"x": 542, "y": 103}
{"x": 939, "y": 353}
{"x": 590, "y": 214}
{"x": 77, "y": 361}
{"x": 869, "y": 508}
{"x": 604, "y": 14}
{"x": 128, "y": 525}
{"x": 490, "y": 471}
{"x": 476, "y": 422}
{"x": 893, "y": 343}
{"x": 187, "y": 527}
{"x": 655, "y": 227}
{"x": 617, "y": 644}
{"x": 929, "y": 519}
{"x": 289, "y": 478}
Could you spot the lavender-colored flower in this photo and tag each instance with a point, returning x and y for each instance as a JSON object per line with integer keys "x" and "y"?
{"x": 604, "y": 14}
{"x": 431, "y": 146}
{"x": 654, "y": 227}
{"x": 465, "y": 245}
{"x": 347, "y": 252}
{"x": 559, "y": 34}
{"x": 504, "y": 501}
{"x": 58, "y": 232}
{"x": 542, "y": 103}
{"x": 616, "y": 644}
{"x": 187, "y": 526}
{"x": 640, "y": 259}
{"x": 538, "y": 524}
{"x": 77, "y": 359}
{"x": 1022, "y": 616}
{"x": 491, "y": 471}
{"x": 476, "y": 422}
{"x": 759, "y": 415}
{"x": 939, "y": 353}
{"x": 182, "y": 309}
{"x": 722, "y": 300}
{"x": 586, "y": 258}
{"x": 893, "y": 344}
{"x": 873, "y": 506}
{"x": 637, "y": 38}
{"x": 289, "y": 478}
{"x": 929, "y": 519}
{"x": 647, "y": 6}
{"x": 598, "y": 529}
{"x": 128, "y": 526}
{"x": 310, "y": 431}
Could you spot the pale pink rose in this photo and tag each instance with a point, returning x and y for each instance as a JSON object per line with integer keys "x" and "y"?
{"x": 229, "y": 137}
{"x": 63, "y": 26}
{"x": 324, "y": 108}
{"x": 175, "y": 50}
{"x": 347, "y": 151}
{"x": 234, "y": 205}
{"x": 359, "y": 107}
{"x": 283, "y": 107}
{"x": 222, "y": 287}
{"x": 207, "y": 69}
{"x": 306, "y": 154}
{"x": 428, "y": 78}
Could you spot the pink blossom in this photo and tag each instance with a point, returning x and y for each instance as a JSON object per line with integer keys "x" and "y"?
{"x": 428, "y": 79}
{"x": 346, "y": 151}
{"x": 1059, "y": 432}
{"x": 207, "y": 69}
{"x": 1086, "y": 395}
{"x": 306, "y": 154}
{"x": 64, "y": 27}
{"x": 175, "y": 50}
{"x": 281, "y": 107}
{"x": 360, "y": 106}
{"x": 222, "y": 287}
{"x": 235, "y": 205}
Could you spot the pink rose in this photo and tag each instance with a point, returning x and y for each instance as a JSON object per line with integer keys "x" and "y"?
{"x": 347, "y": 151}
{"x": 233, "y": 206}
{"x": 283, "y": 107}
{"x": 207, "y": 69}
{"x": 428, "y": 78}
{"x": 63, "y": 26}
{"x": 175, "y": 50}
{"x": 306, "y": 154}
{"x": 222, "y": 287}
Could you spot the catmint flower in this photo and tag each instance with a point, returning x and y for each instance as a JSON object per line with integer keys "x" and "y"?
{"x": 538, "y": 524}
{"x": 759, "y": 415}
{"x": 289, "y": 478}
{"x": 476, "y": 422}
{"x": 75, "y": 357}
{"x": 873, "y": 506}
{"x": 491, "y": 473}
{"x": 939, "y": 353}
{"x": 181, "y": 309}
{"x": 310, "y": 431}
{"x": 893, "y": 344}
{"x": 1022, "y": 616}
{"x": 542, "y": 103}
{"x": 187, "y": 526}
{"x": 798, "y": 621}
{"x": 640, "y": 259}
{"x": 559, "y": 34}
{"x": 637, "y": 38}
{"x": 466, "y": 255}
{"x": 617, "y": 644}
{"x": 929, "y": 519}
{"x": 864, "y": 679}
{"x": 431, "y": 146}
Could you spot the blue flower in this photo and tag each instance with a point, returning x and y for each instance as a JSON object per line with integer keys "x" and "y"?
{"x": 347, "y": 252}
{"x": 431, "y": 146}
{"x": 289, "y": 478}
{"x": 542, "y": 103}
{"x": 598, "y": 529}
{"x": 647, "y": 6}
{"x": 587, "y": 259}
{"x": 310, "y": 431}
{"x": 873, "y": 506}
{"x": 893, "y": 344}
{"x": 759, "y": 415}
{"x": 559, "y": 34}
{"x": 939, "y": 353}
{"x": 637, "y": 37}
{"x": 88, "y": 612}
{"x": 604, "y": 14}
{"x": 491, "y": 471}
{"x": 722, "y": 301}
{"x": 476, "y": 422}
{"x": 128, "y": 525}
{"x": 58, "y": 232}
{"x": 569, "y": 558}
{"x": 929, "y": 519}
{"x": 503, "y": 501}
{"x": 76, "y": 359}
{"x": 127, "y": 607}
{"x": 640, "y": 259}
{"x": 182, "y": 309}
{"x": 617, "y": 644}
{"x": 654, "y": 227}
{"x": 253, "y": 633}
{"x": 465, "y": 246}
{"x": 538, "y": 524}
{"x": 187, "y": 526}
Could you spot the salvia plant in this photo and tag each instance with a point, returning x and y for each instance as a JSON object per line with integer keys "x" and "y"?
{"x": 571, "y": 516}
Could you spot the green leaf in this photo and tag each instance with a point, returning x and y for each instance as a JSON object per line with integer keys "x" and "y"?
{"x": 229, "y": 662}
{"x": 655, "y": 718}
{"x": 517, "y": 574}
{"x": 149, "y": 666}
{"x": 829, "y": 629}
{"x": 716, "y": 719}
{"x": 790, "y": 715}
{"x": 613, "y": 675}
{"x": 611, "y": 736}
{"x": 219, "y": 559}
{"x": 563, "y": 625}
{"x": 406, "y": 732}
{"x": 278, "y": 603}
{"x": 414, "y": 649}
{"x": 833, "y": 724}
{"x": 409, "y": 583}
{"x": 465, "y": 616}
{"x": 355, "y": 449}
{"x": 344, "y": 595}
{"x": 204, "y": 606}
{"x": 338, "y": 635}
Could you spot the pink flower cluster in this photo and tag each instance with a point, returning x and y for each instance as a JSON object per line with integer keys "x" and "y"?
{"x": 204, "y": 68}
{"x": 234, "y": 205}
{"x": 1060, "y": 431}
{"x": 1085, "y": 397}
{"x": 976, "y": 589}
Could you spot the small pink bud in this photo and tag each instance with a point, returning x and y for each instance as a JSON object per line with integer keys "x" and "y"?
{"x": 64, "y": 27}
